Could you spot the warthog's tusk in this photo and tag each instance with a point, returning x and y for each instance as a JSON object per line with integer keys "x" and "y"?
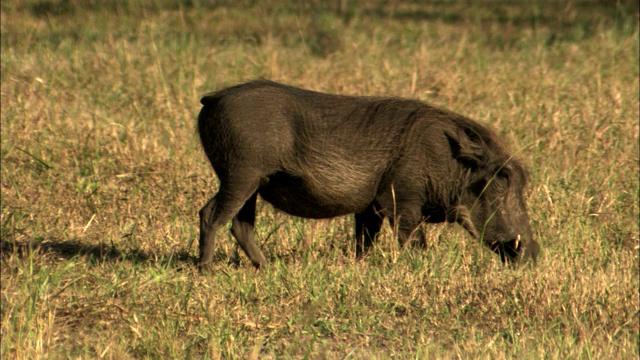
{"x": 517, "y": 242}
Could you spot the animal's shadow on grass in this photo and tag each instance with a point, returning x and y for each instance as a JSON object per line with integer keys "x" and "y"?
{"x": 95, "y": 254}
{"x": 100, "y": 253}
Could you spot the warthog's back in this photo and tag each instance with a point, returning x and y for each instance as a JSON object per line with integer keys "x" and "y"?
{"x": 313, "y": 152}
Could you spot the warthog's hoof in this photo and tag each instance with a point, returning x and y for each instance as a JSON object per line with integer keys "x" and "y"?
{"x": 205, "y": 268}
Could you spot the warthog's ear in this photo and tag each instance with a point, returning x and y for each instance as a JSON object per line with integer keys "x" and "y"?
{"x": 466, "y": 151}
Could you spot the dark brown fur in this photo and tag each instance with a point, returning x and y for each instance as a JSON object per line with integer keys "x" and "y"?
{"x": 317, "y": 155}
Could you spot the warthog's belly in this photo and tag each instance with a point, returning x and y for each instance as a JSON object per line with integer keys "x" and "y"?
{"x": 316, "y": 198}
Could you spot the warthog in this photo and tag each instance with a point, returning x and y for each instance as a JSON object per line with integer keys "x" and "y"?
{"x": 318, "y": 155}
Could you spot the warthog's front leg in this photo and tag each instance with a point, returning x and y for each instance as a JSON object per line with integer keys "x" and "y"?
{"x": 408, "y": 219}
{"x": 368, "y": 224}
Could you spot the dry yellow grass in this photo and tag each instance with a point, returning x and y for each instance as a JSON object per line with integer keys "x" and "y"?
{"x": 102, "y": 178}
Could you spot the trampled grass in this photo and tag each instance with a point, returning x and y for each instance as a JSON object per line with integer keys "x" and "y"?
{"x": 102, "y": 178}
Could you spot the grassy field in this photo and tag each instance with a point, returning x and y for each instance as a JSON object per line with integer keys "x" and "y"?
{"x": 103, "y": 176}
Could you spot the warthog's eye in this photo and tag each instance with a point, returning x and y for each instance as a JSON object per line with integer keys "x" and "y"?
{"x": 504, "y": 172}
{"x": 477, "y": 187}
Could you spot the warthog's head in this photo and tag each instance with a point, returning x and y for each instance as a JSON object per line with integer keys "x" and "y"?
{"x": 491, "y": 204}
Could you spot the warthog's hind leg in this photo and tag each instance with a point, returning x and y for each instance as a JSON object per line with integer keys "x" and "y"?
{"x": 207, "y": 234}
{"x": 243, "y": 230}
{"x": 227, "y": 203}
